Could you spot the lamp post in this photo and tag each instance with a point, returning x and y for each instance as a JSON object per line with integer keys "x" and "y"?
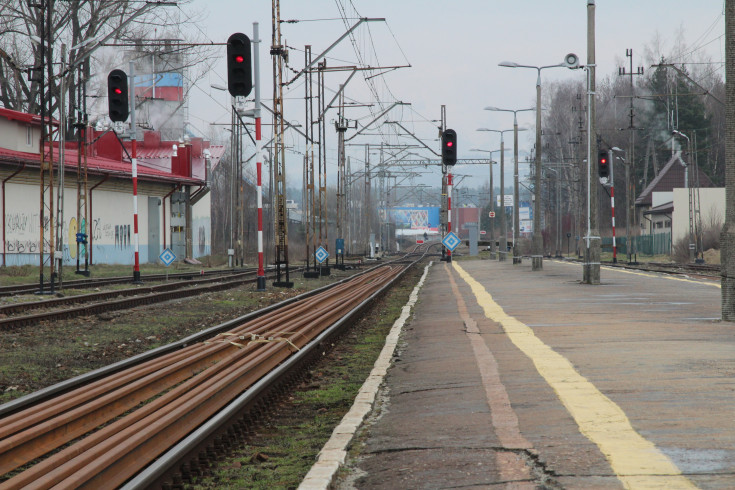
{"x": 492, "y": 201}
{"x": 692, "y": 244}
{"x": 516, "y": 190}
{"x": 570, "y": 61}
{"x": 503, "y": 244}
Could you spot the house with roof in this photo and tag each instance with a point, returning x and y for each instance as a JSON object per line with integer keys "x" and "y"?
{"x": 173, "y": 200}
{"x": 663, "y": 206}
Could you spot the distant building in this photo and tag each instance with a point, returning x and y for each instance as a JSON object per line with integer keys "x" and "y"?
{"x": 655, "y": 205}
{"x": 173, "y": 201}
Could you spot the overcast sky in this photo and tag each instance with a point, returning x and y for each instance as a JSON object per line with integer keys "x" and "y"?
{"x": 454, "y": 49}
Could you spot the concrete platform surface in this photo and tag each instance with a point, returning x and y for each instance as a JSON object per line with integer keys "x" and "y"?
{"x": 506, "y": 377}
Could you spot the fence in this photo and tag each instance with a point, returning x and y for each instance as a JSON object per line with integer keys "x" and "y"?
{"x": 656, "y": 244}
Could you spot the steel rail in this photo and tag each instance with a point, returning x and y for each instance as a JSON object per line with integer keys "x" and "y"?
{"x": 209, "y": 385}
{"x": 172, "y": 458}
{"x": 13, "y": 308}
{"x": 167, "y": 292}
{"x": 106, "y": 281}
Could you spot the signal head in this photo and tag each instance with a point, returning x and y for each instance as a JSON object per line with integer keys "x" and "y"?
{"x": 449, "y": 147}
{"x": 239, "y": 74}
{"x": 117, "y": 96}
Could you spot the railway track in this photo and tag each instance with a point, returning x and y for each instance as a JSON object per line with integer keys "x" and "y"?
{"x": 107, "y": 281}
{"x": 703, "y": 270}
{"x": 95, "y": 303}
{"x": 111, "y": 423}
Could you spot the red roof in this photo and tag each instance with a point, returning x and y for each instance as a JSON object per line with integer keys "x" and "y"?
{"x": 154, "y": 156}
{"x": 97, "y": 165}
{"x": 23, "y": 117}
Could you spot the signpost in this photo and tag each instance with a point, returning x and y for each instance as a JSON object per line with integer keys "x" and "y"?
{"x": 451, "y": 241}
{"x": 167, "y": 257}
{"x": 321, "y": 255}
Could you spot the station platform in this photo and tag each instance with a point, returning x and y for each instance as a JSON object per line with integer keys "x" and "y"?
{"x": 506, "y": 377}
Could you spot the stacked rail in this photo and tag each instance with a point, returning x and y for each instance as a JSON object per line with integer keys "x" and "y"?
{"x": 103, "y": 433}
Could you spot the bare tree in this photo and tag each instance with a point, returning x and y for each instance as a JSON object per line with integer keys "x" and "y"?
{"x": 81, "y": 25}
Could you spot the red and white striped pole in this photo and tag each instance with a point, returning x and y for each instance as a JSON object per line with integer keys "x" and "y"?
{"x": 134, "y": 159}
{"x": 449, "y": 211}
{"x": 612, "y": 203}
{"x": 258, "y": 156}
{"x": 259, "y": 167}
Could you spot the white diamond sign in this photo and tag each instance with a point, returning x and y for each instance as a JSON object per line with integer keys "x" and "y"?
{"x": 451, "y": 241}
{"x": 321, "y": 255}
{"x": 167, "y": 257}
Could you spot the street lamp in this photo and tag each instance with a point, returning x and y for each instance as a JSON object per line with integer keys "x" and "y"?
{"x": 516, "y": 190}
{"x": 693, "y": 252}
{"x": 504, "y": 233}
{"x": 570, "y": 61}
{"x": 492, "y": 202}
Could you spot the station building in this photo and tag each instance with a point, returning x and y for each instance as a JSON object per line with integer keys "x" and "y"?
{"x": 663, "y": 206}
{"x": 173, "y": 195}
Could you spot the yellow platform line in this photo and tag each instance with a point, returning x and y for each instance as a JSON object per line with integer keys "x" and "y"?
{"x": 636, "y": 461}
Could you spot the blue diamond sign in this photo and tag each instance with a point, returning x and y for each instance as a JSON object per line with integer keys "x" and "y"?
{"x": 321, "y": 255}
{"x": 167, "y": 257}
{"x": 451, "y": 241}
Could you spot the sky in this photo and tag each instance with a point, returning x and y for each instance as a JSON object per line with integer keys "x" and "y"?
{"x": 454, "y": 49}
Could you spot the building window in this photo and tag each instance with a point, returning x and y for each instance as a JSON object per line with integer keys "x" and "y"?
{"x": 668, "y": 223}
{"x": 29, "y": 136}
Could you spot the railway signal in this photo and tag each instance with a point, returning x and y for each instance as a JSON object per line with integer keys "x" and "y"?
{"x": 449, "y": 147}
{"x": 239, "y": 73}
{"x": 603, "y": 164}
{"x": 117, "y": 96}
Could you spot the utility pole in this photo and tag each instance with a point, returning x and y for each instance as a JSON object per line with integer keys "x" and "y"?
{"x": 367, "y": 212}
{"x": 591, "y": 268}
{"x": 443, "y": 212}
{"x": 309, "y": 223}
{"x": 630, "y": 161}
{"x": 503, "y": 244}
{"x": 323, "y": 216}
{"x": 81, "y": 123}
{"x": 341, "y": 125}
{"x": 280, "y": 54}
{"x": 727, "y": 238}
{"x": 44, "y": 63}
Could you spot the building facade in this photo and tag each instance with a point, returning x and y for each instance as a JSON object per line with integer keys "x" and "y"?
{"x": 173, "y": 201}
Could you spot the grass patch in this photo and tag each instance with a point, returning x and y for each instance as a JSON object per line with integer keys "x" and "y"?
{"x": 284, "y": 449}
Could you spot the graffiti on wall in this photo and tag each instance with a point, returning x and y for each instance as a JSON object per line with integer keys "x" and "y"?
{"x": 22, "y": 231}
{"x": 122, "y": 236}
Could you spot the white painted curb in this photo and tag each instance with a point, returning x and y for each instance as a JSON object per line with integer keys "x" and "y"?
{"x": 334, "y": 452}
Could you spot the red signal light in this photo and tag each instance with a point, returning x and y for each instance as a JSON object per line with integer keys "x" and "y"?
{"x": 239, "y": 59}
{"x": 118, "y": 91}
{"x": 450, "y": 144}
{"x": 603, "y": 161}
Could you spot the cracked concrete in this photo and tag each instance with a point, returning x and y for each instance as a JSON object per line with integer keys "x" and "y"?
{"x": 439, "y": 421}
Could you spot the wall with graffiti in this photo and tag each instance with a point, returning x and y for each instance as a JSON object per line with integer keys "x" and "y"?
{"x": 110, "y": 228}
